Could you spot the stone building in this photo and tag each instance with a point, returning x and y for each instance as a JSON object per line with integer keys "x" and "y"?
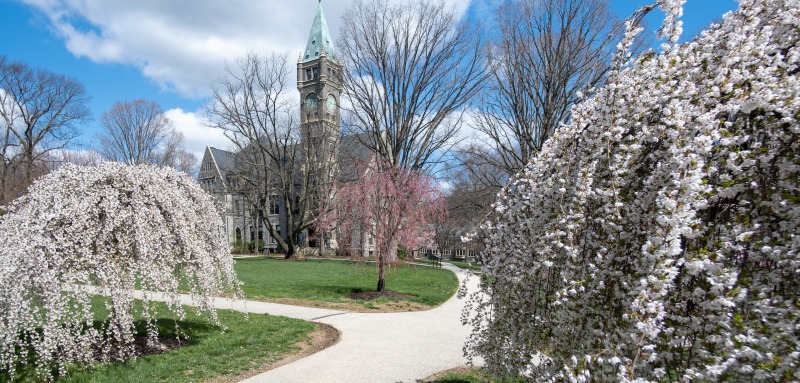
{"x": 319, "y": 80}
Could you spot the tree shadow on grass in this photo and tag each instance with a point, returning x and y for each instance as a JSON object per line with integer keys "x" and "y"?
{"x": 172, "y": 334}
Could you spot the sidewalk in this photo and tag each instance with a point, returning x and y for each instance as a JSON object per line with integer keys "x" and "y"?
{"x": 385, "y": 347}
{"x": 373, "y": 347}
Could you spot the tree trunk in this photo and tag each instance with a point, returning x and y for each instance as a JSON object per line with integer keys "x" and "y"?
{"x": 391, "y": 255}
{"x": 381, "y": 272}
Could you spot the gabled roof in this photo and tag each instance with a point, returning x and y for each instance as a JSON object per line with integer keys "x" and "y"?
{"x": 224, "y": 161}
{"x": 354, "y": 151}
{"x": 319, "y": 39}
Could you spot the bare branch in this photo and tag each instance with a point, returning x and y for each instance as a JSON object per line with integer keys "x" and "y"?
{"x": 548, "y": 53}
{"x": 411, "y": 69}
{"x": 251, "y": 108}
{"x": 39, "y": 111}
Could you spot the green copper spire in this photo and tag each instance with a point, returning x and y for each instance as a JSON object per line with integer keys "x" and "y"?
{"x": 319, "y": 39}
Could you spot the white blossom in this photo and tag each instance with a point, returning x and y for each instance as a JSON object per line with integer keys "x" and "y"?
{"x": 115, "y": 228}
{"x": 671, "y": 251}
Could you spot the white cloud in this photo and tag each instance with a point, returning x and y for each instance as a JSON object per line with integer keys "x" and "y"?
{"x": 468, "y": 134}
{"x": 183, "y": 45}
{"x": 196, "y": 135}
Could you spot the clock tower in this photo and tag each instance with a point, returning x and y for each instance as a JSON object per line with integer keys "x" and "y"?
{"x": 319, "y": 80}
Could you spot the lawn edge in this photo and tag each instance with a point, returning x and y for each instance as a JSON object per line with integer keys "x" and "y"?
{"x": 323, "y": 337}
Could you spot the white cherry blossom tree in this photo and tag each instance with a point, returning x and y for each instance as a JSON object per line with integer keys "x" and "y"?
{"x": 106, "y": 229}
{"x": 654, "y": 238}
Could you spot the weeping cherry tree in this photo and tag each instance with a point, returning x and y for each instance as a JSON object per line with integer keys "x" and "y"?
{"x": 654, "y": 238}
{"x": 105, "y": 230}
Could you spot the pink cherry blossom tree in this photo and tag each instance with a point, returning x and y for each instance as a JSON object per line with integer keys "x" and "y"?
{"x": 654, "y": 238}
{"x": 395, "y": 207}
{"x": 107, "y": 230}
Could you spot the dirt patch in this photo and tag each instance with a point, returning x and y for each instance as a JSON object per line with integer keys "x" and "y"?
{"x": 357, "y": 306}
{"x": 140, "y": 346}
{"x": 371, "y": 295}
{"x": 324, "y": 337}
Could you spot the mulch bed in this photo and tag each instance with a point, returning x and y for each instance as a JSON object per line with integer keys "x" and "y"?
{"x": 140, "y": 348}
{"x": 371, "y": 295}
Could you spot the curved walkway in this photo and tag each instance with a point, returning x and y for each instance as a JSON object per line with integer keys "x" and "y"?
{"x": 373, "y": 347}
{"x": 381, "y": 347}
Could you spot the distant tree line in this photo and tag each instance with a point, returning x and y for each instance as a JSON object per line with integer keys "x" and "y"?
{"x": 42, "y": 113}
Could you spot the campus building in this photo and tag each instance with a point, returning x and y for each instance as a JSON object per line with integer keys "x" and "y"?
{"x": 319, "y": 80}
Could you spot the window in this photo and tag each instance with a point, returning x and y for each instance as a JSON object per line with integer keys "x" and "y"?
{"x": 252, "y": 234}
{"x": 308, "y": 73}
{"x": 316, "y": 71}
{"x": 208, "y": 181}
{"x": 238, "y": 234}
{"x": 237, "y": 207}
{"x": 278, "y": 231}
{"x": 274, "y": 205}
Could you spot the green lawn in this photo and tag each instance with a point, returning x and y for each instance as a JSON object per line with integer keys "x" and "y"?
{"x": 462, "y": 375}
{"x": 468, "y": 375}
{"x": 208, "y": 352}
{"x": 333, "y": 280}
{"x": 466, "y": 265}
{"x": 459, "y": 264}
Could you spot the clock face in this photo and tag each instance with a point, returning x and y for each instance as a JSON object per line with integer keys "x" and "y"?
{"x": 311, "y": 101}
{"x": 331, "y": 103}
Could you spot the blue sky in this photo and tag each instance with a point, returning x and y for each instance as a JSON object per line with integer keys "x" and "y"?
{"x": 171, "y": 51}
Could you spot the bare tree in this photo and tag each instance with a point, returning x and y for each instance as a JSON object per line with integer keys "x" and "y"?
{"x": 250, "y": 105}
{"x": 411, "y": 69}
{"x": 183, "y": 160}
{"x": 470, "y": 197}
{"x": 138, "y": 132}
{"x": 546, "y": 53}
{"x": 469, "y": 200}
{"x": 39, "y": 111}
{"x": 75, "y": 157}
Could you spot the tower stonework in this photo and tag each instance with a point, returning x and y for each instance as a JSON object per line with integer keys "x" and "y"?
{"x": 319, "y": 80}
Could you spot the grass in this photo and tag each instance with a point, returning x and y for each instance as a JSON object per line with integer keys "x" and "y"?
{"x": 468, "y": 375}
{"x": 466, "y": 265}
{"x": 332, "y": 281}
{"x": 459, "y": 264}
{"x": 461, "y": 375}
{"x": 208, "y": 352}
